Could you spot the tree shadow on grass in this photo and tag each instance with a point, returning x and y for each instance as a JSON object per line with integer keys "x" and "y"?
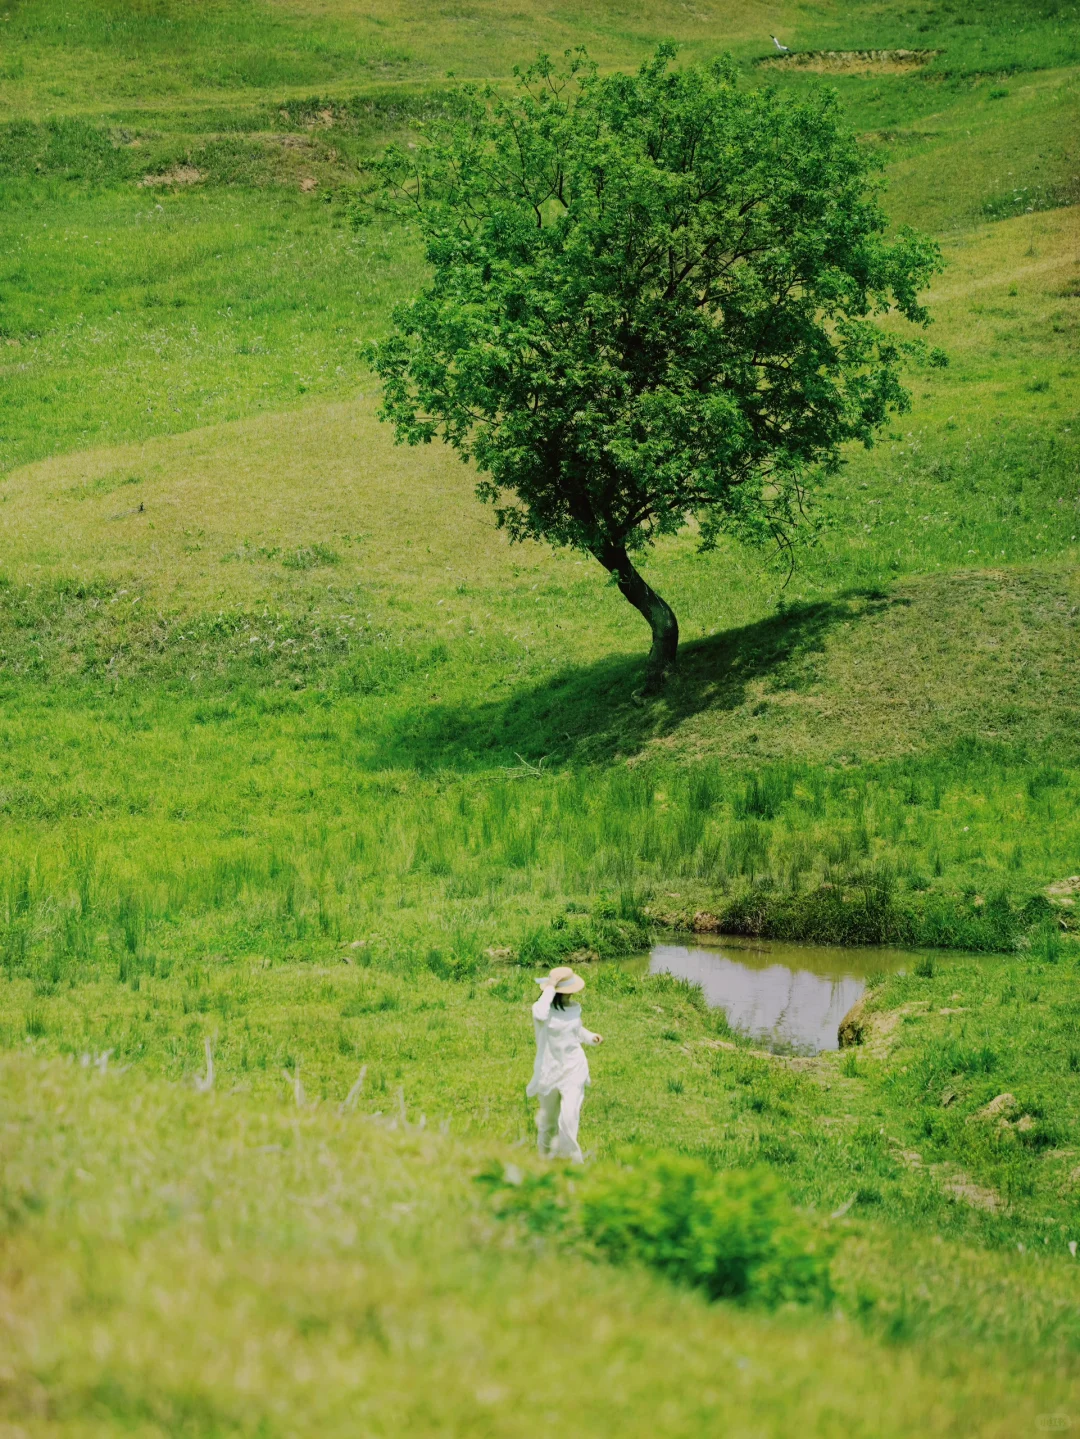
{"x": 589, "y": 714}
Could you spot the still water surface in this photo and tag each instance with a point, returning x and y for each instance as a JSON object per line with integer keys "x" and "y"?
{"x": 789, "y": 997}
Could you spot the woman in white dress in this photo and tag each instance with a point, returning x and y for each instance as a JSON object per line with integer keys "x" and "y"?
{"x": 561, "y": 1071}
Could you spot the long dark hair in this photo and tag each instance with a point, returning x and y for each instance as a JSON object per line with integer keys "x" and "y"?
{"x": 561, "y": 1000}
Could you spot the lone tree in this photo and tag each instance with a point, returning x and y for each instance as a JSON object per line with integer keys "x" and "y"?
{"x": 651, "y": 302}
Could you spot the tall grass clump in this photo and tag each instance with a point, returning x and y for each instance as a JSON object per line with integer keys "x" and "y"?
{"x": 911, "y": 853}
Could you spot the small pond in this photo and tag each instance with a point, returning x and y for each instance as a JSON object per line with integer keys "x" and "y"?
{"x": 789, "y": 997}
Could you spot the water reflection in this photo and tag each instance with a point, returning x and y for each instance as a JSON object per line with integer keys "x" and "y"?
{"x": 790, "y": 997}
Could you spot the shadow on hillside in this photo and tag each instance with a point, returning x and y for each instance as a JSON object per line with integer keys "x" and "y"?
{"x": 588, "y": 714}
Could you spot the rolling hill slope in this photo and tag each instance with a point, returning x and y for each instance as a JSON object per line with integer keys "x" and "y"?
{"x": 277, "y": 695}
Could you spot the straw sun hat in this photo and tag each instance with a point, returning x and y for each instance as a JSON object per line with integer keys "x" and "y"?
{"x": 563, "y": 980}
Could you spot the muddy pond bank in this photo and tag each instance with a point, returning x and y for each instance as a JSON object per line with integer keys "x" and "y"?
{"x": 788, "y": 997}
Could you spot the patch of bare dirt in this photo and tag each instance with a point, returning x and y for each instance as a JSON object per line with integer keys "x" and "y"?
{"x": 962, "y": 1188}
{"x": 178, "y": 175}
{"x": 852, "y": 62}
{"x": 1003, "y": 1107}
{"x": 875, "y": 1030}
{"x": 1065, "y": 891}
{"x": 955, "y": 1182}
{"x": 816, "y": 1066}
{"x": 853, "y": 1026}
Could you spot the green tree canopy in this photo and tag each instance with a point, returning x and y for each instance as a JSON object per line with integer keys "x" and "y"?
{"x": 653, "y": 299}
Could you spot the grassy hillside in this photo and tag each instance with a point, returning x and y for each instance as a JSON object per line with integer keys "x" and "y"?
{"x": 298, "y": 1272}
{"x": 303, "y": 766}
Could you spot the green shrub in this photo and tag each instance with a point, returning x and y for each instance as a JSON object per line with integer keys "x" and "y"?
{"x": 733, "y": 1234}
{"x": 539, "y": 1201}
{"x": 555, "y": 942}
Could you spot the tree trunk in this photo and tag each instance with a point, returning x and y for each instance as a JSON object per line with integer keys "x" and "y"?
{"x": 657, "y": 612}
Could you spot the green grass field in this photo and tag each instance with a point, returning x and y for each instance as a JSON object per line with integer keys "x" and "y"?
{"x": 304, "y": 768}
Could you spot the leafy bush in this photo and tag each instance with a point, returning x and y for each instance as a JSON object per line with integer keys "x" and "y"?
{"x": 733, "y": 1234}
{"x": 539, "y": 1201}
{"x": 554, "y": 943}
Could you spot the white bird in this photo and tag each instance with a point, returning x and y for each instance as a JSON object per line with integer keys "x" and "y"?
{"x": 784, "y": 49}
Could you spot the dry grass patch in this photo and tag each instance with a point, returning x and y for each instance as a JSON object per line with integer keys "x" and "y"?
{"x": 852, "y": 62}
{"x": 177, "y": 175}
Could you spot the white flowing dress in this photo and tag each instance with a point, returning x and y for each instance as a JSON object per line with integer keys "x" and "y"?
{"x": 560, "y": 1075}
